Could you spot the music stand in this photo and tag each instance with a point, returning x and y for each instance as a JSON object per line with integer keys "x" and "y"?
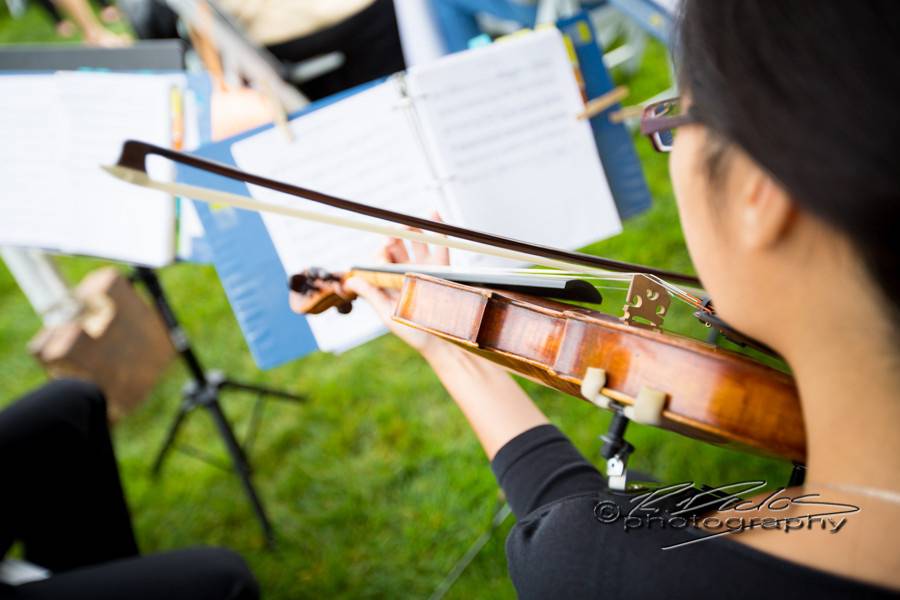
{"x": 204, "y": 388}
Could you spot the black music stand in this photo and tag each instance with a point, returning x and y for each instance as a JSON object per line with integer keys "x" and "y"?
{"x": 203, "y": 390}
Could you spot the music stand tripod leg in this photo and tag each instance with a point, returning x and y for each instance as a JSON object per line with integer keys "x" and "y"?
{"x": 171, "y": 434}
{"x": 262, "y": 390}
{"x": 203, "y": 390}
{"x": 501, "y": 512}
{"x": 242, "y": 468}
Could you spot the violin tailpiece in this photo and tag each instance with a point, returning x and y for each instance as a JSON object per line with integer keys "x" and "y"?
{"x": 647, "y": 303}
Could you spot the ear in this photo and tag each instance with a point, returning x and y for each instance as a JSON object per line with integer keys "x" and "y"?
{"x": 764, "y": 209}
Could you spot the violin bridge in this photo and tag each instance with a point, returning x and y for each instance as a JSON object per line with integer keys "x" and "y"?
{"x": 647, "y": 303}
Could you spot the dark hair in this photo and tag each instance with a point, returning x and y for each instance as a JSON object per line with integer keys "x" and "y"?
{"x": 808, "y": 89}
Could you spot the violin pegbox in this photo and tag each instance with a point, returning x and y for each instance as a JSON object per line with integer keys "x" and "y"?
{"x": 317, "y": 290}
{"x": 647, "y": 303}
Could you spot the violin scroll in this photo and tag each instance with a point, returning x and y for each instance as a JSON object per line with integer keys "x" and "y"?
{"x": 316, "y": 290}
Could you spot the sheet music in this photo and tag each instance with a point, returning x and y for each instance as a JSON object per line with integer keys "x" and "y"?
{"x": 104, "y": 110}
{"x": 35, "y": 137}
{"x": 362, "y": 148}
{"x": 56, "y": 197}
{"x": 501, "y": 123}
{"x": 491, "y": 140}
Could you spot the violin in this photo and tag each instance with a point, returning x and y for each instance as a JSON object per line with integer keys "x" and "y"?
{"x": 627, "y": 364}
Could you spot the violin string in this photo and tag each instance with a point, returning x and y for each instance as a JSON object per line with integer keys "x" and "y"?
{"x": 674, "y": 290}
{"x": 531, "y": 272}
{"x": 544, "y": 273}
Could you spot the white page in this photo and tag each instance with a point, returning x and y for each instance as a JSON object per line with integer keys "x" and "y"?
{"x": 362, "y": 148}
{"x": 32, "y": 158}
{"x": 55, "y": 196}
{"x": 501, "y": 123}
{"x": 104, "y": 110}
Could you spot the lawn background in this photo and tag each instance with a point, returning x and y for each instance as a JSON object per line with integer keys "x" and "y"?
{"x": 376, "y": 486}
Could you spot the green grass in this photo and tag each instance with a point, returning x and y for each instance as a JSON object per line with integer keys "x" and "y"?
{"x": 376, "y": 485}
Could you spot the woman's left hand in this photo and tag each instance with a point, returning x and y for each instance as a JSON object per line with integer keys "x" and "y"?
{"x": 384, "y": 300}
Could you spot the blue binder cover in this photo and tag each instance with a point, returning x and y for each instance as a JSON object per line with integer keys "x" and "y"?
{"x": 246, "y": 260}
{"x": 624, "y": 172}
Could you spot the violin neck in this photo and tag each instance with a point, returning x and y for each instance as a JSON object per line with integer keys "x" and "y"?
{"x": 321, "y": 290}
{"x": 391, "y": 276}
{"x": 382, "y": 279}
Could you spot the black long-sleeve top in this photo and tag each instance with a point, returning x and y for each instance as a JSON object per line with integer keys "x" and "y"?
{"x": 561, "y": 548}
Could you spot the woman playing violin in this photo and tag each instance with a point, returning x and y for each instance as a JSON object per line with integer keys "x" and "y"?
{"x": 786, "y": 174}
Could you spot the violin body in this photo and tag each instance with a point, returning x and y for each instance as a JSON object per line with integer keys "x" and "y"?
{"x": 710, "y": 393}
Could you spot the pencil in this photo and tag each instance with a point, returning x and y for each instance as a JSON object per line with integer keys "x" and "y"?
{"x": 601, "y": 103}
{"x": 625, "y": 113}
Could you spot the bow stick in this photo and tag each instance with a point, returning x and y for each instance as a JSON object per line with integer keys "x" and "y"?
{"x": 131, "y": 167}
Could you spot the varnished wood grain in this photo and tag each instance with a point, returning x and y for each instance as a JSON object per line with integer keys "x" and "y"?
{"x": 712, "y": 394}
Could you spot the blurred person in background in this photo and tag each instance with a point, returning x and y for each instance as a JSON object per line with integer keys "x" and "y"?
{"x": 364, "y": 32}
{"x": 70, "y": 16}
{"x": 150, "y": 19}
{"x": 457, "y": 20}
{"x": 63, "y": 500}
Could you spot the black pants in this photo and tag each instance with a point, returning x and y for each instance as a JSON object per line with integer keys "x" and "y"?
{"x": 60, "y": 495}
{"x": 369, "y": 41}
{"x": 150, "y": 19}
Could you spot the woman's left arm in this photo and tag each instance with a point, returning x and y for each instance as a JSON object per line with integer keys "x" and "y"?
{"x": 496, "y": 407}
